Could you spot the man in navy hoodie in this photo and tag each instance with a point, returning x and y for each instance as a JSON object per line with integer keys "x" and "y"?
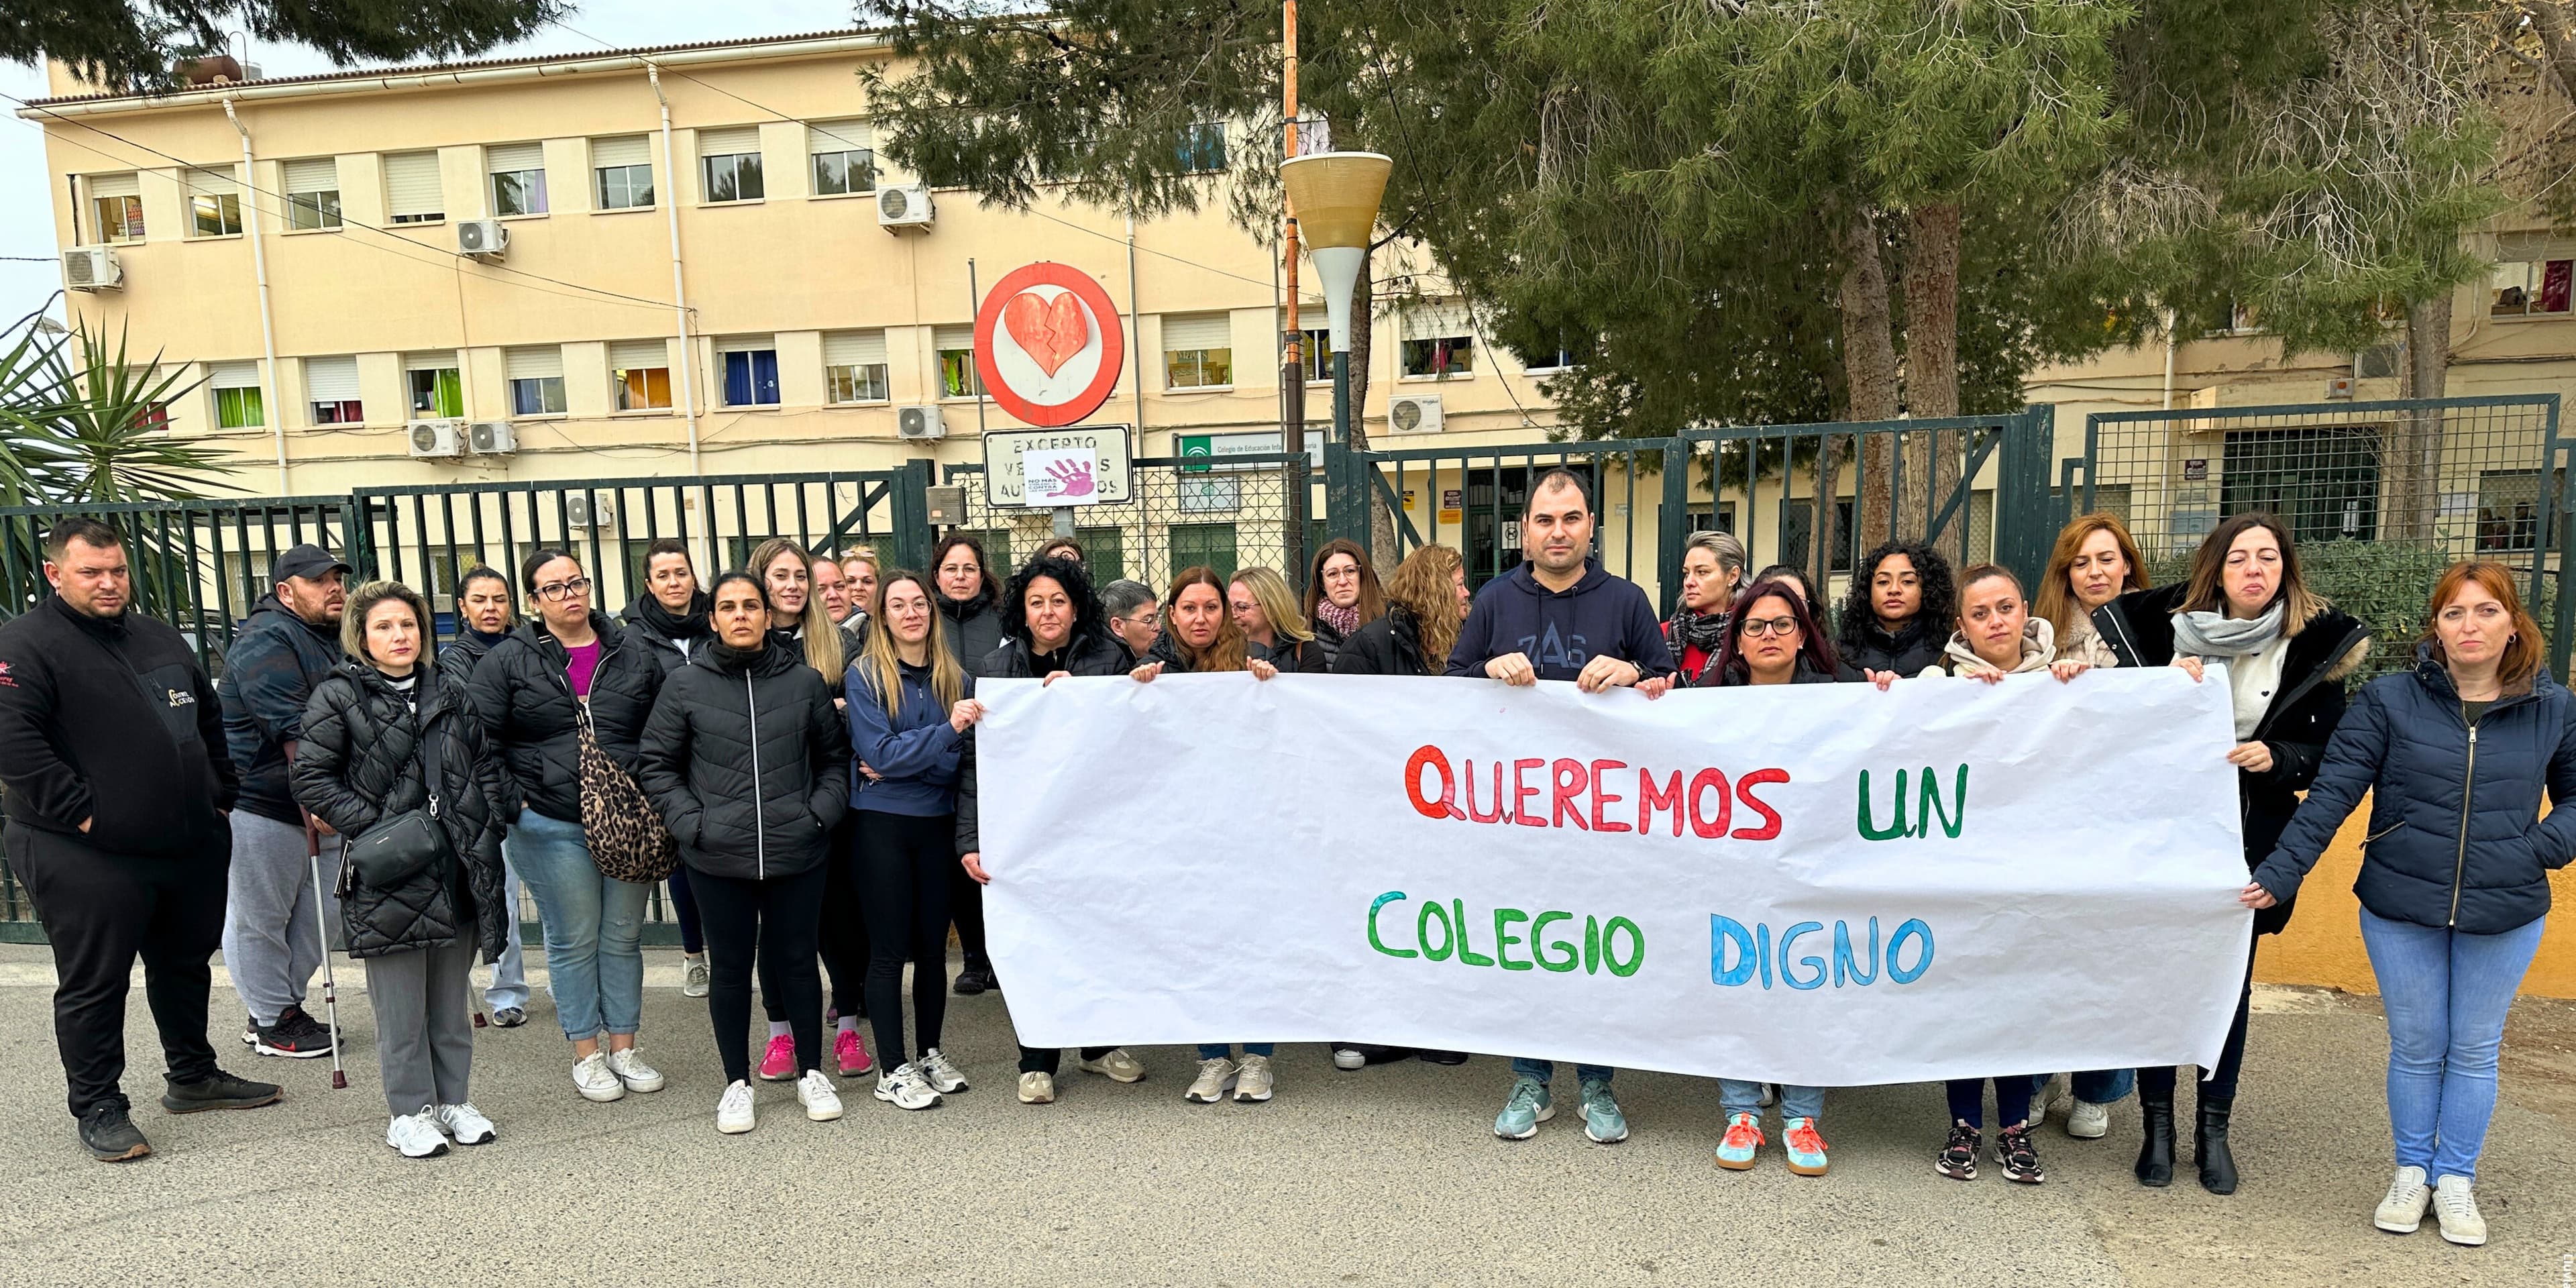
{"x": 1559, "y": 616}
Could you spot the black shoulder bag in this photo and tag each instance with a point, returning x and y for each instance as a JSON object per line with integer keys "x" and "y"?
{"x": 399, "y": 848}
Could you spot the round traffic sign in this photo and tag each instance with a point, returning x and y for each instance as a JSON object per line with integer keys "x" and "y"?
{"x": 1048, "y": 344}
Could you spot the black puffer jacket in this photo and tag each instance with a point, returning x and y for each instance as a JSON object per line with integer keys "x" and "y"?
{"x": 973, "y": 628}
{"x": 2139, "y": 625}
{"x": 1806, "y": 673}
{"x": 1331, "y": 640}
{"x": 2297, "y": 725}
{"x": 1090, "y": 655}
{"x": 361, "y": 762}
{"x": 465, "y": 652}
{"x": 525, "y": 701}
{"x": 1391, "y": 645}
{"x": 1296, "y": 657}
{"x": 2406, "y": 743}
{"x": 749, "y": 762}
{"x": 1905, "y": 651}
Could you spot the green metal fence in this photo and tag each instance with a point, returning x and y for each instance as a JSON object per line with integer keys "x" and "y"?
{"x": 1226, "y": 513}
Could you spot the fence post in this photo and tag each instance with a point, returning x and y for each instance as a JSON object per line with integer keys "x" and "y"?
{"x": 1673, "y": 524}
{"x": 910, "y": 506}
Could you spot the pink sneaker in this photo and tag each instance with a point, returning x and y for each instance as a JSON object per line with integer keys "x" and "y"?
{"x": 778, "y": 1064}
{"x": 851, "y": 1054}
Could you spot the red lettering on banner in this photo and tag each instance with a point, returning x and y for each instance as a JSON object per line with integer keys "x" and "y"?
{"x": 1649, "y": 799}
{"x": 1522, "y": 792}
{"x": 1702, "y": 823}
{"x": 1770, "y": 817}
{"x": 1570, "y": 782}
{"x": 1446, "y": 806}
{"x": 1584, "y": 795}
{"x": 1601, "y": 798}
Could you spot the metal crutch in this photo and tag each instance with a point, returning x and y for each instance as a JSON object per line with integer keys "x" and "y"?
{"x": 330, "y": 987}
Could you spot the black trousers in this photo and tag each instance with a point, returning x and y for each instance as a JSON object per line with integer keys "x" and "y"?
{"x": 904, "y": 862}
{"x": 845, "y": 928}
{"x": 777, "y": 921}
{"x": 2220, "y": 1089}
{"x": 966, "y": 899}
{"x": 100, "y": 911}
{"x": 1048, "y": 1060}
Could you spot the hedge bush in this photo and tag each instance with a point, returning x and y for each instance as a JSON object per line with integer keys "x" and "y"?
{"x": 2386, "y": 584}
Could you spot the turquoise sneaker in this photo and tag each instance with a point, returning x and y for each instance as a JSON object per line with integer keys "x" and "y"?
{"x": 1742, "y": 1141}
{"x": 1529, "y": 1106}
{"x": 1602, "y": 1120}
{"x": 1806, "y": 1146}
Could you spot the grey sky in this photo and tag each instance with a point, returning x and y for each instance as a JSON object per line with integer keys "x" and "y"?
{"x": 26, "y": 208}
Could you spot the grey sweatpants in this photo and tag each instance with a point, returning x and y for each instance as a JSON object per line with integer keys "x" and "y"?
{"x": 272, "y": 934}
{"x": 424, "y": 1024}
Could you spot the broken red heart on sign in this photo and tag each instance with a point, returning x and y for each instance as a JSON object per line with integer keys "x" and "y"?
{"x": 1049, "y": 331}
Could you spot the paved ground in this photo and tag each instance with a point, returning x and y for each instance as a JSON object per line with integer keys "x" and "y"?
{"x": 1387, "y": 1176}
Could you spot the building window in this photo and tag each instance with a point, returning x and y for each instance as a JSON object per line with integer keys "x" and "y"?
{"x": 238, "y": 404}
{"x": 536, "y": 380}
{"x": 1104, "y": 552}
{"x": 641, "y": 370}
{"x": 750, "y": 373}
{"x": 1198, "y": 351}
{"x": 518, "y": 178}
{"x": 2531, "y": 288}
{"x": 2509, "y": 510}
{"x": 1544, "y": 360}
{"x": 313, "y": 193}
{"x": 214, "y": 203}
{"x": 2325, "y": 481}
{"x": 1201, "y": 148}
{"x": 843, "y": 160}
{"x": 331, "y": 389}
{"x": 116, "y": 204}
{"x": 624, "y": 167}
{"x": 437, "y": 388}
{"x": 1439, "y": 343}
{"x": 729, "y": 164}
{"x": 1316, "y": 354}
{"x": 1798, "y": 530}
{"x": 412, "y": 191}
{"x": 958, "y": 378}
{"x": 854, "y": 367}
{"x": 1203, "y": 544}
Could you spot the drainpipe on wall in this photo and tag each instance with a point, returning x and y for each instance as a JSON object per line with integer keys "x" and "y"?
{"x": 679, "y": 288}
{"x": 1136, "y": 334}
{"x": 2170, "y": 345}
{"x": 276, "y": 407}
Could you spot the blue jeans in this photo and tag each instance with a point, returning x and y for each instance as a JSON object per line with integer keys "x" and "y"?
{"x": 2102, "y": 1086}
{"x": 1545, "y": 1070}
{"x": 594, "y": 928}
{"x": 1220, "y": 1050}
{"x": 509, "y": 986}
{"x": 1736, "y": 1096}
{"x": 2446, "y": 993}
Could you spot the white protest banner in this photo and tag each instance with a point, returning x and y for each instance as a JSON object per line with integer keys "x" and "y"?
{"x": 1817, "y": 884}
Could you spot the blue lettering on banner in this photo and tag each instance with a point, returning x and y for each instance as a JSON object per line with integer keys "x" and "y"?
{"x": 1739, "y": 954}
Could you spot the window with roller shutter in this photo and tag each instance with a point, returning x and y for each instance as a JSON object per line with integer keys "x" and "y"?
{"x": 750, "y": 370}
{"x": 536, "y": 380}
{"x": 331, "y": 388}
{"x": 238, "y": 404}
{"x": 116, "y": 205}
{"x": 729, "y": 164}
{"x": 1198, "y": 351}
{"x": 854, "y": 366}
{"x": 214, "y": 202}
{"x": 955, "y": 346}
{"x": 313, "y": 193}
{"x": 1439, "y": 342}
{"x": 845, "y": 162}
{"x": 623, "y": 167}
{"x": 436, "y": 385}
{"x": 412, "y": 191}
{"x": 641, "y": 373}
{"x": 518, "y": 178}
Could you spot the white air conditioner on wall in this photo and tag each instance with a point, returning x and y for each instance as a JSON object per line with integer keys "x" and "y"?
{"x": 482, "y": 238}
{"x": 437, "y": 439}
{"x": 904, "y": 205}
{"x": 492, "y": 438}
{"x": 590, "y": 510}
{"x": 92, "y": 268}
{"x": 1413, "y": 414}
{"x": 919, "y": 420}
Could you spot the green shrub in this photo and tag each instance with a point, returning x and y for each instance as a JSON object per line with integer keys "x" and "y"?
{"x": 2387, "y": 585}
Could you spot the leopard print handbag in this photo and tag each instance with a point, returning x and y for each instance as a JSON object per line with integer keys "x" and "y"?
{"x": 627, "y": 838}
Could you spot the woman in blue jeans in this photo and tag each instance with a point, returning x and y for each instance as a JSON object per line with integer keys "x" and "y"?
{"x": 566, "y": 664}
{"x": 2454, "y": 882}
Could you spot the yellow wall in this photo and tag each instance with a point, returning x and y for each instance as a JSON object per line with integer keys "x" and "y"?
{"x": 2323, "y": 944}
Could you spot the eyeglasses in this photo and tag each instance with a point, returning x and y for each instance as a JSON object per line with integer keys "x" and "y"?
{"x": 563, "y": 590}
{"x": 1770, "y": 625}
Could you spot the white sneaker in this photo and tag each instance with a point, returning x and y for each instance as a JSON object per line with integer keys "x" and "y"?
{"x": 2054, "y": 1089}
{"x": 1252, "y": 1080}
{"x": 466, "y": 1123}
{"x": 734, "y": 1114}
{"x": 2457, "y": 1209}
{"x": 1216, "y": 1077}
{"x": 1770, "y": 1095}
{"x": 944, "y": 1078}
{"x": 2087, "y": 1121}
{"x": 905, "y": 1088}
{"x": 417, "y": 1135}
{"x": 1037, "y": 1087}
{"x": 1115, "y": 1065}
{"x": 814, "y": 1090}
{"x": 2402, "y": 1212}
{"x": 630, "y": 1069}
{"x": 1346, "y": 1059}
{"x": 695, "y": 979}
{"x": 592, "y": 1076}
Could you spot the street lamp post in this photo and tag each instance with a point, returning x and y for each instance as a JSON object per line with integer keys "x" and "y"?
{"x": 1336, "y": 195}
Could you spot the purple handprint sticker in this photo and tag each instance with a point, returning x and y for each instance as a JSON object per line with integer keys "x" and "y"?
{"x": 1072, "y": 478}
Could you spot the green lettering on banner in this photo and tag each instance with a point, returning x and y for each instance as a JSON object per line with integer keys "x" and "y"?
{"x": 1591, "y": 946}
{"x": 1538, "y": 947}
{"x": 1610, "y": 947}
{"x": 1892, "y": 830}
{"x": 1504, "y": 938}
{"x": 1466, "y": 955}
{"x": 1422, "y": 932}
{"x": 1391, "y": 896}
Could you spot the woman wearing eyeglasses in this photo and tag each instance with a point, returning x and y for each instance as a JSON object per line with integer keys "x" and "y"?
{"x": 1342, "y": 595}
{"x": 530, "y": 692}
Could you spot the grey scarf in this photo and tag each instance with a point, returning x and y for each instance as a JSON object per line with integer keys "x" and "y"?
{"x": 2208, "y": 634}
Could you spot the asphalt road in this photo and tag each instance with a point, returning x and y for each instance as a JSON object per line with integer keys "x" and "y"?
{"x": 1386, "y": 1176}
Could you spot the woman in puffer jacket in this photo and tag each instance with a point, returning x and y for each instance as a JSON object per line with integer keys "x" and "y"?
{"x": 747, "y": 759}
{"x": 371, "y": 731}
{"x": 2454, "y": 882}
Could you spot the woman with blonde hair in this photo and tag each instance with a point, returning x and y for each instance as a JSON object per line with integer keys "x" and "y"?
{"x": 1265, "y": 610}
{"x": 2092, "y": 565}
{"x": 796, "y": 613}
{"x": 1426, "y": 602}
{"x": 909, "y": 706}
{"x": 1712, "y": 571}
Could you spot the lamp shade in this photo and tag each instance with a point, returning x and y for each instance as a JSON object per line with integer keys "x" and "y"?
{"x": 1334, "y": 196}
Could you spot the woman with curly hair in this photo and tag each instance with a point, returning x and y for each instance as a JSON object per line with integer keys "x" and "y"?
{"x": 1898, "y": 613}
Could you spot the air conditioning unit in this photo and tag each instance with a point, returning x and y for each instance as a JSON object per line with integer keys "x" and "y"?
{"x": 492, "y": 438}
{"x": 903, "y": 206}
{"x": 437, "y": 439}
{"x": 1413, "y": 414}
{"x": 482, "y": 238}
{"x": 919, "y": 420}
{"x": 590, "y": 511}
{"x": 92, "y": 268}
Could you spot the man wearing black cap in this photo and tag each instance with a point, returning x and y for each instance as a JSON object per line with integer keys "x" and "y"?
{"x": 272, "y": 930}
{"x": 117, "y": 786}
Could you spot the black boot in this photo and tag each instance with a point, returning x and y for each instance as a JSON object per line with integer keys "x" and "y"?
{"x": 2209, "y": 1147}
{"x": 2156, "y": 1155}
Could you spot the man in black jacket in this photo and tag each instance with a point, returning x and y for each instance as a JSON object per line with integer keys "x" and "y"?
{"x": 273, "y": 939}
{"x": 113, "y": 756}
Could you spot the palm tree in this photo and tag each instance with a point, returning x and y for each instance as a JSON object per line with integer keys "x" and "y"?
{"x": 82, "y": 424}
